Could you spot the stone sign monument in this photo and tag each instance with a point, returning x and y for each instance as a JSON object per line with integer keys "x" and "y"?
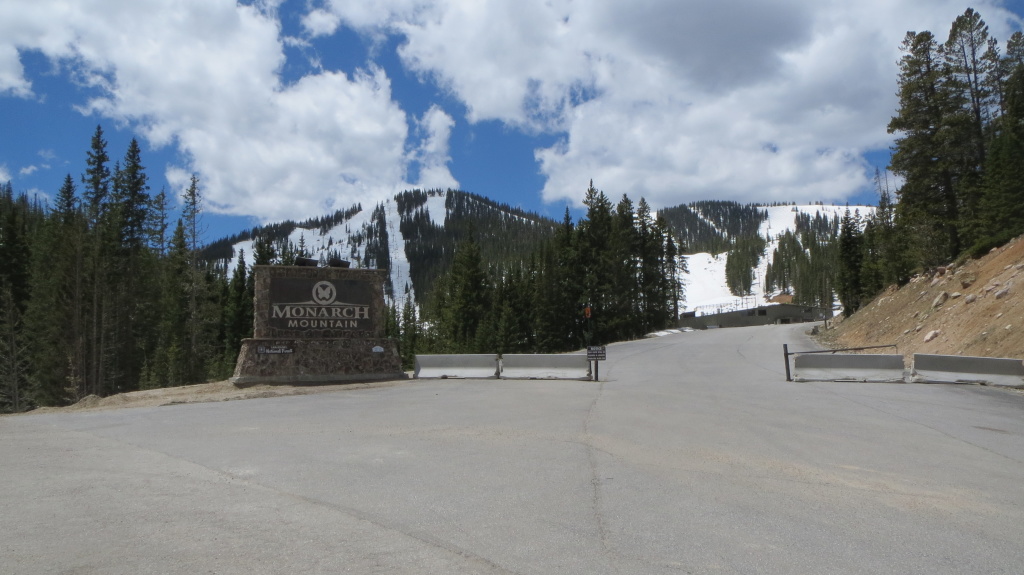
{"x": 317, "y": 325}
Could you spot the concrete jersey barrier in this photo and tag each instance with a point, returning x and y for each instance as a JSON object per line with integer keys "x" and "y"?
{"x": 960, "y": 369}
{"x": 545, "y": 366}
{"x": 472, "y": 366}
{"x": 848, "y": 367}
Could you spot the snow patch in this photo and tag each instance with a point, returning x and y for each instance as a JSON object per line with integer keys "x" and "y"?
{"x": 706, "y": 289}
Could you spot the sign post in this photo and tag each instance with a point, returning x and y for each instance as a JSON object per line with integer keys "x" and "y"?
{"x": 596, "y": 353}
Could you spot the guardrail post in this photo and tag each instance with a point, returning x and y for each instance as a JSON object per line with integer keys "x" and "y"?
{"x": 785, "y": 354}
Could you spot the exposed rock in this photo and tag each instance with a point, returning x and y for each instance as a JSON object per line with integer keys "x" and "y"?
{"x": 961, "y": 321}
{"x": 932, "y": 335}
{"x": 936, "y": 282}
{"x": 940, "y": 299}
{"x": 941, "y": 270}
{"x": 1009, "y": 327}
{"x": 1002, "y": 293}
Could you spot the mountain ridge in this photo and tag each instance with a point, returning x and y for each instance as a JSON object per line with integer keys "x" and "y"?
{"x": 415, "y": 234}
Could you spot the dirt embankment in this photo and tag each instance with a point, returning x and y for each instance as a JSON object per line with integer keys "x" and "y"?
{"x": 976, "y": 309}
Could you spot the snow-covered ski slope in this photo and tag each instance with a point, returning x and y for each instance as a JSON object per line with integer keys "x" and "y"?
{"x": 345, "y": 238}
{"x": 706, "y": 289}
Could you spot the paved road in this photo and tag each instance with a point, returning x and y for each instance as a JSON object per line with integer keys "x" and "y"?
{"x": 693, "y": 456}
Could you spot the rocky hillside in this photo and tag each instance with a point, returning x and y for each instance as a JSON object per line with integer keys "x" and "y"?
{"x": 974, "y": 309}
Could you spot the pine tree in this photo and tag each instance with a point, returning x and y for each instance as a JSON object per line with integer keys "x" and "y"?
{"x": 1003, "y": 200}
{"x": 622, "y": 313}
{"x": 851, "y": 253}
{"x": 14, "y": 295}
{"x": 893, "y": 253}
{"x": 558, "y": 292}
{"x": 469, "y": 296}
{"x": 131, "y": 274}
{"x": 14, "y": 354}
{"x": 972, "y": 66}
{"x": 196, "y": 349}
{"x": 596, "y": 266}
{"x": 673, "y": 268}
{"x": 264, "y": 253}
{"x": 409, "y": 339}
{"x": 171, "y": 365}
{"x": 97, "y": 181}
{"x": 238, "y": 311}
{"x": 651, "y": 255}
{"x": 156, "y": 225}
{"x": 55, "y": 318}
{"x": 928, "y": 199}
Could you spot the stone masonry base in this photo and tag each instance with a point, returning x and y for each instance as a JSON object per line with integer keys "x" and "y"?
{"x": 310, "y": 361}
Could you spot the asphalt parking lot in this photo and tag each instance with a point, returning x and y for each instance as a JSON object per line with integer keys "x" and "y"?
{"x": 693, "y": 455}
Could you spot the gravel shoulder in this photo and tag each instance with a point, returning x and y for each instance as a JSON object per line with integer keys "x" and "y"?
{"x": 202, "y": 393}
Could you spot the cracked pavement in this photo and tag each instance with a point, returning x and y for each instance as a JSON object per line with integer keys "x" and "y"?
{"x": 693, "y": 455}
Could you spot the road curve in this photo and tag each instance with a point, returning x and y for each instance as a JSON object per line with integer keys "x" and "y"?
{"x": 692, "y": 455}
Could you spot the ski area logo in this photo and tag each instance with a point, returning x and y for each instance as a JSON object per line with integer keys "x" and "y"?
{"x": 324, "y": 305}
{"x": 324, "y": 293}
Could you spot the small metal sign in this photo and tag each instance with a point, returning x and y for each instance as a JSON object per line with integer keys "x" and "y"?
{"x": 274, "y": 349}
{"x": 597, "y": 353}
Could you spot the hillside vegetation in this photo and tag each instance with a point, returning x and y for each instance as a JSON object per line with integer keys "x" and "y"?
{"x": 974, "y": 309}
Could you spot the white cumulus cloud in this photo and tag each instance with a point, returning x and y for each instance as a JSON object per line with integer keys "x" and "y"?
{"x": 752, "y": 100}
{"x": 432, "y": 154}
{"x": 205, "y": 76}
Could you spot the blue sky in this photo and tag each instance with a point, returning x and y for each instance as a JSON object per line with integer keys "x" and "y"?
{"x": 293, "y": 108}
